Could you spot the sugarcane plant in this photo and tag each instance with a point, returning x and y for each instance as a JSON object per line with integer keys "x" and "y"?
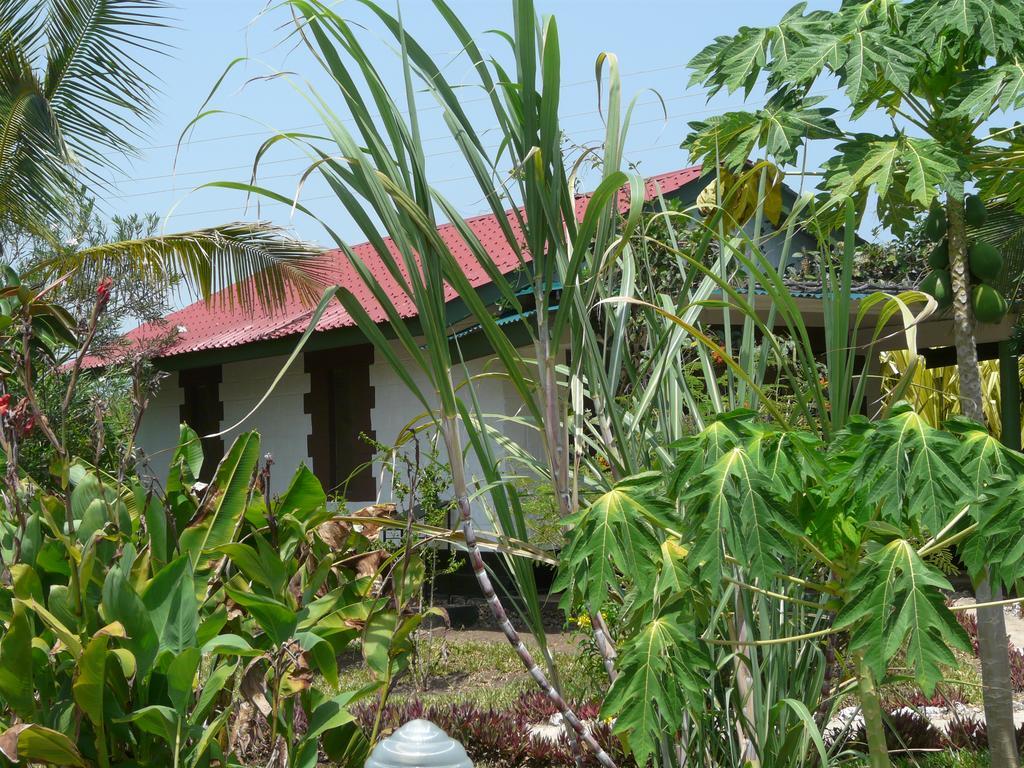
{"x": 579, "y": 271}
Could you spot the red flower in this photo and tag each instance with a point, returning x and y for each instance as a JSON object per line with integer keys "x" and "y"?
{"x": 5, "y": 404}
{"x": 103, "y": 292}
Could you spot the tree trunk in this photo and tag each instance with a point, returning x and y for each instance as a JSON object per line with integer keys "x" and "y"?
{"x": 874, "y": 721}
{"x": 993, "y": 647}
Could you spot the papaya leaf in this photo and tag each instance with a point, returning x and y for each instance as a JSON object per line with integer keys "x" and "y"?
{"x": 998, "y": 543}
{"x": 734, "y": 510}
{"x": 899, "y": 603}
{"x": 904, "y": 171}
{"x": 659, "y": 676}
{"x": 614, "y": 539}
{"x": 911, "y": 470}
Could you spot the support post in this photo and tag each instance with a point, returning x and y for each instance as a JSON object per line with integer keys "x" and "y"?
{"x": 1009, "y": 389}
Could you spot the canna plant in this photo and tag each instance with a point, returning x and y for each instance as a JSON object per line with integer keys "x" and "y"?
{"x": 148, "y": 627}
{"x": 138, "y": 659}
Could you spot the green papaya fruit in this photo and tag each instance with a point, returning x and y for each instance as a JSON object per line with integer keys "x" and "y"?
{"x": 939, "y": 257}
{"x": 985, "y": 260}
{"x": 989, "y": 305}
{"x": 937, "y": 283}
{"x": 974, "y": 211}
{"x": 935, "y": 223}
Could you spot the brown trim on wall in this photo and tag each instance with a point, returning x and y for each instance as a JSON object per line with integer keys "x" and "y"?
{"x": 339, "y": 402}
{"x": 203, "y": 410}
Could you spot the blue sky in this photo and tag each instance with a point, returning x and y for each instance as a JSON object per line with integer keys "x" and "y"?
{"x": 652, "y": 38}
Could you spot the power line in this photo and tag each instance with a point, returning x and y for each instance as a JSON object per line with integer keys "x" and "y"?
{"x": 666, "y": 120}
{"x": 430, "y": 108}
{"x": 306, "y": 157}
{"x": 445, "y": 153}
{"x": 330, "y": 196}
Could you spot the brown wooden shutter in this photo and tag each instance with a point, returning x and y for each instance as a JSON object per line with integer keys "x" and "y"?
{"x": 339, "y": 402}
{"x": 203, "y": 410}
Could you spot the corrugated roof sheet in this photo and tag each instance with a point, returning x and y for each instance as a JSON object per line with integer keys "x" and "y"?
{"x": 217, "y": 325}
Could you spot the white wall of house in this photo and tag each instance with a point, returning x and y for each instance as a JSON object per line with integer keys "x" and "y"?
{"x": 284, "y": 426}
{"x": 395, "y": 409}
{"x": 158, "y": 433}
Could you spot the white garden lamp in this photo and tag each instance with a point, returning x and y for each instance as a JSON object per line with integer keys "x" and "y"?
{"x": 419, "y": 744}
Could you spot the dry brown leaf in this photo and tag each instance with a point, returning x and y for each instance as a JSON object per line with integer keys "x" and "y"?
{"x": 254, "y": 686}
{"x": 334, "y": 533}
{"x": 369, "y": 563}
{"x": 9, "y": 741}
{"x": 370, "y": 530}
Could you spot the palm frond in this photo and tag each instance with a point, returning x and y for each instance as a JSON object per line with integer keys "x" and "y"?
{"x": 248, "y": 262}
{"x": 98, "y": 90}
{"x": 34, "y": 168}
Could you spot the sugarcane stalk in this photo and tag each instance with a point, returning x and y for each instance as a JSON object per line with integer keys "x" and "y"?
{"x": 454, "y": 448}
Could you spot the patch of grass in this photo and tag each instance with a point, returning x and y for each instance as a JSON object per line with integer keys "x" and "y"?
{"x": 960, "y": 759}
{"x": 487, "y": 674}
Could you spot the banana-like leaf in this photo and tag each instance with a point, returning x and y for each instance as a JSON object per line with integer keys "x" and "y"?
{"x": 223, "y": 502}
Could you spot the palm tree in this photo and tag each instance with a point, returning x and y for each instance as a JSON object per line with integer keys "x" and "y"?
{"x": 73, "y": 97}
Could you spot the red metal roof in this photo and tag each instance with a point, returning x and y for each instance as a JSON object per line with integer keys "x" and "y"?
{"x": 217, "y": 325}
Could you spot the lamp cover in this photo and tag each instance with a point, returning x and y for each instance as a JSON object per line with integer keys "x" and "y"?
{"x": 419, "y": 744}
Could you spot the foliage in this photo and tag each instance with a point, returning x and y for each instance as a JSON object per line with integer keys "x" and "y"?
{"x": 134, "y": 301}
{"x": 752, "y": 504}
{"x": 940, "y": 71}
{"x": 882, "y": 55}
{"x": 132, "y": 616}
{"x": 66, "y": 121}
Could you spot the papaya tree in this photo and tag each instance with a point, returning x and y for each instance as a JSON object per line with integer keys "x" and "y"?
{"x": 937, "y": 71}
